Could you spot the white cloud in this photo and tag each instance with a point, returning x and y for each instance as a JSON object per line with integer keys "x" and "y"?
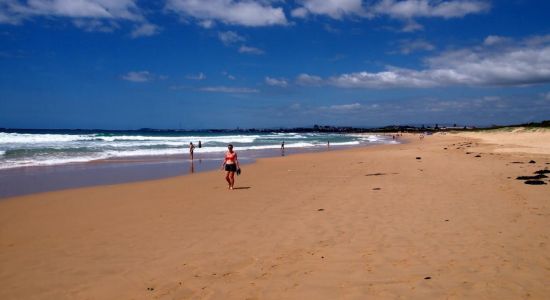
{"x": 199, "y": 76}
{"x": 228, "y": 90}
{"x": 138, "y": 76}
{"x": 519, "y": 65}
{"x": 103, "y": 9}
{"x": 230, "y": 37}
{"x": 391, "y": 78}
{"x": 89, "y": 15}
{"x": 295, "y": 106}
{"x": 409, "y": 9}
{"x": 95, "y": 25}
{"x": 494, "y": 40}
{"x": 207, "y": 24}
{"x": 333, "y": 8}
{"x": 345, "y": 107}
{"x": 250, "y": 50}
{"x": 538, "y": 40}
{"x": 299, "y": 12}
{"x": 405, "y": 10}
{"x": 411, "y": 26}
{"x": 145, "y": 29}
{"x": 279, "y": 82}
{"x": 246, "y": 13}
{"x": 410, "y": 46}
{"x": 306, "y": 79}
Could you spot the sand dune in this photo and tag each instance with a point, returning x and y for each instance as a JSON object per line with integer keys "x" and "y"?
{"x": 365, "y": 223}
{"x": 519, "y": 140}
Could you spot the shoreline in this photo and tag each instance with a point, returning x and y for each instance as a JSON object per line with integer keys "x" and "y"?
{"x": 37, "y": 179}
{"x": 425, "y": 219}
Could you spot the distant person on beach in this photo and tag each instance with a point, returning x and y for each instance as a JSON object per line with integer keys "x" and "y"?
{"x": 200, "y": 144}
{"x": 328, "y": 144}
{"x": 191, "y": 149}
{"x": 283, "y": 145}
{"x": 231, "y": 166}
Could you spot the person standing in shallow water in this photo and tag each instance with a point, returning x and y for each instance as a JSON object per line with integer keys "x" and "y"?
{"x": 191, "y": 149}
{"x": 230, "y": 165}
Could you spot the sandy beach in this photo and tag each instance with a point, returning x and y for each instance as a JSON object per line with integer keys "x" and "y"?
{"x": 438, "y": 218}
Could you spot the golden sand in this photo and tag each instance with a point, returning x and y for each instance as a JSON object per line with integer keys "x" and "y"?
{"x": 365, "y": 223}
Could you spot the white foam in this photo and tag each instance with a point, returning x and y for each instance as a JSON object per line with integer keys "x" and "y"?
{"x": 27, "y": 138}
{"x": 345, "y": 143}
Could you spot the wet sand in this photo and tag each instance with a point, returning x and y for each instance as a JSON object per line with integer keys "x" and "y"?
{"x": 30, "y": 180}
{"x": 442, "y": 217}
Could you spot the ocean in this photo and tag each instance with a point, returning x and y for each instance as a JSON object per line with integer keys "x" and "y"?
{"x": 47, "y": 148}
{"x": 33, "y": 161}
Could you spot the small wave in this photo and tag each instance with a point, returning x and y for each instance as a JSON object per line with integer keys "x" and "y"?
{"x": 345, "y": 143}
{"x": 28, "y": 138}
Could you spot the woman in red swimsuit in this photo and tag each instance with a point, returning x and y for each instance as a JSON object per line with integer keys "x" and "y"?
{"x": 231, "y": 165}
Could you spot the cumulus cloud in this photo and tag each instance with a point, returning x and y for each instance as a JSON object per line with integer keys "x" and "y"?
{"x": 138, "y": 76}
{"x": 309, "y": 80}
{"x": 279, "y": 82}
{"x": 245, "y": 13}
{"x": 230, "y": 37}
{"x": 250, "y": 50}
{"x": 519, "y": 65}
{"x": 199, "y": 76}
{"x": 228, "y": 90}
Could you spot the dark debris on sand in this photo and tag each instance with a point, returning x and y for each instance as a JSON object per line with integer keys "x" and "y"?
{"x": 535, "y": 182}
{"x": 535, "y": 179}
{"x": 539, "y": 176}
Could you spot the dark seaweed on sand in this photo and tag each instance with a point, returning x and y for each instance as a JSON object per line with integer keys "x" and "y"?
{"x": 535, "y": 182}
{"x": 540, "y": 176}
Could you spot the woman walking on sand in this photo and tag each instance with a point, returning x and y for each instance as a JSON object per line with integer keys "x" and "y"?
{"x": 231, "y": 165}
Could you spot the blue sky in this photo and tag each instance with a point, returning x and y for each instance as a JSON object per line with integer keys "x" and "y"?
{"x": 128, "y": 64}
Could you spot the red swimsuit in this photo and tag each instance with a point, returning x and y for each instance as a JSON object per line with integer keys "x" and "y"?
{"x": 230, "y": 156}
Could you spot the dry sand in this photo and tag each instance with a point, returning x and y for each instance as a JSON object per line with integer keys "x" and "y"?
{"x": 518, "y": 140}
{"x": 369, "y": 223}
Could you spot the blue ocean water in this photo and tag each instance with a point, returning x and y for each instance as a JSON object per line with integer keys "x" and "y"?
{"x": 46, "y": 148}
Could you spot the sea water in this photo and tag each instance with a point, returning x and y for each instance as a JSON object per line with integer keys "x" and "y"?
{"x": 29, "y": 148}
